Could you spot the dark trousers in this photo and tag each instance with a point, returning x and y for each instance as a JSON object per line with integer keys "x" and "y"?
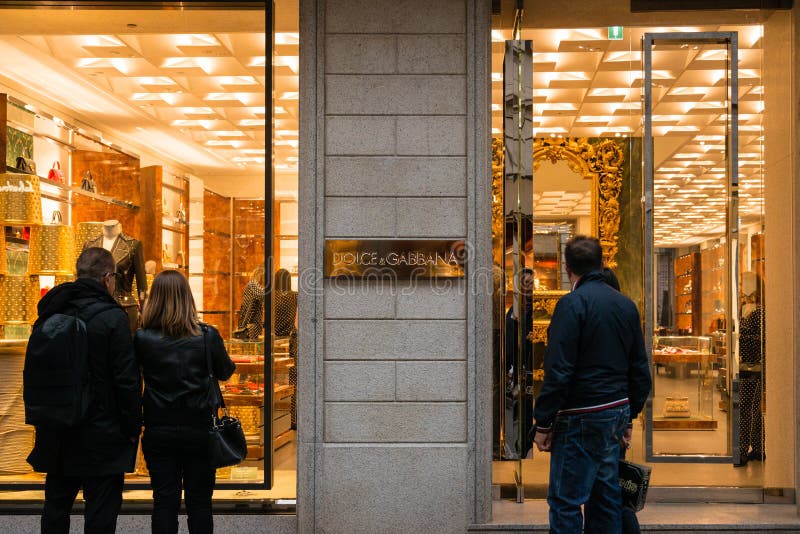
{"x": 751, "y": 420}
{"x": 177, "y": 458}
{"x": 102, "y": 496}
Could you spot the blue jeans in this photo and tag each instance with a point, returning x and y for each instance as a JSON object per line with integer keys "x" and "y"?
{"x": 584, "y": 470}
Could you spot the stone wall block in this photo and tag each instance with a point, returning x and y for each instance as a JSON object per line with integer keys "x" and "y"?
{"x": 392, "y": 176}
{"x": 432, "y": 217}
{"x": 440, "y": 299}
{"x": 360, "y": 54}
{"x": 359, "y": 299}
{"x": 401, "y": 340}
{"x": 431, "y": 381}
{"x": 399, "y": 94}
{"x": 359, "y": 381}
{"x": 360, "y": 217}
{"x": 431, "y": 135}
{"x": 360, "y": 135}
{"x": 395, "y": 16}
{"x": 431, "y": 54}
{"x": 411, "y": 489}
{"x": 388, "y": 422}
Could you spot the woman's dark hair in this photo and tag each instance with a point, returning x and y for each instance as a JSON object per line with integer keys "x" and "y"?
{"x": 283, "y": 280}
{"x": 170, "y": 306}
{"x": 583, "y": 254}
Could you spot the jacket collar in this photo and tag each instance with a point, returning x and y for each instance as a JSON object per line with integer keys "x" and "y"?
{"x": 590, "y": 277}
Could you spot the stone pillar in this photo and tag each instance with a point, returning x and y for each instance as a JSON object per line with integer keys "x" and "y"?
{"x": 780, "y": 278}
{"x": 395, "y": 143}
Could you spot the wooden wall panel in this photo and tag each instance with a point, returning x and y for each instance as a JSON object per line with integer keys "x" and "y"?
{"x": 216, "y": 213}
{"x": 248, "y": 243}
{"x": 150, "y": 213}
{"x": 117, "y": 176}
{"x": 216, "y": 253}
{"x": 217, "y": 261}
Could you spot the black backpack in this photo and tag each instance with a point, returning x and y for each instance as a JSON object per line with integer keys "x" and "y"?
{"x": 56, "y": 373}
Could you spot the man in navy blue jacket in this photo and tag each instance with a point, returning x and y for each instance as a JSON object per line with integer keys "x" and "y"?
{"x": 597, "y": 379}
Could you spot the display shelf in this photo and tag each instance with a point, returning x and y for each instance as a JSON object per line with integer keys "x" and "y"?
{"x": 712, "y": 318}
{"x": 172, "y": 228}
{"x": 689, "y": 423}
{"x": 686, "y": 291}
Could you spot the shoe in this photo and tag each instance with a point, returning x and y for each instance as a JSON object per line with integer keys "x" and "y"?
{"x": 742, "y": 462}
{"x": 757, "y": 456}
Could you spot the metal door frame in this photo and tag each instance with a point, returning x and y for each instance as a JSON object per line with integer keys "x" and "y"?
{"x": 730, "y": 39}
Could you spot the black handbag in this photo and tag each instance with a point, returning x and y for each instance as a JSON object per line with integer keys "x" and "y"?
{"x": 227, "y": 444}
{"x": 634, "y": 479}
{"x": 26, "y": 164}
{"x": 87, "y": 183}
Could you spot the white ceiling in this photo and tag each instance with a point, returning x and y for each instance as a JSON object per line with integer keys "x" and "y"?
{"x": 188, "y": 85}
{"x": 586, "y": 85}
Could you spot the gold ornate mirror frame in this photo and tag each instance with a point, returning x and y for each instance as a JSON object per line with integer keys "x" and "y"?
{"x": 601, "y": 163}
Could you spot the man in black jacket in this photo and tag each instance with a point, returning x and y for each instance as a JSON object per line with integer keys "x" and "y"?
{"x": 597, "y": 379}
{"x": 94, "y": 455}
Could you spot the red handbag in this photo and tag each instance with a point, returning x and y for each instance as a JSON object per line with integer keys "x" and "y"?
{"x": 56, "y": 174}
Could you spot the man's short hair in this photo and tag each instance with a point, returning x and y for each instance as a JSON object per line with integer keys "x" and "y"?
{"x": 583, "y": 254}
{"x": 94, "y": 263}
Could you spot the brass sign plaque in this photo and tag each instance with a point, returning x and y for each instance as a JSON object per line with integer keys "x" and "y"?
{"x": 395, "y": 258}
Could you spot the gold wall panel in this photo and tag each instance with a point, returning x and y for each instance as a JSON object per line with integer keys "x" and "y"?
{"x": 20, "y": 199}
{"x": 52, "y": 250}
{"x": 19, "y": 296}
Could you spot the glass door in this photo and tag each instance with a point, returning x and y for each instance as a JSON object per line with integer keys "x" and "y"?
{"x": 517, "y": 262}
{"x": 691, "y": 244}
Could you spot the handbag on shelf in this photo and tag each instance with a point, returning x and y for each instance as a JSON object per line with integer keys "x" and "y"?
{"x": 56, "y": 217}
{"x": 55, "y": 173}
{"x": 677, "y": 407}
{"x": 180, "y": 215}
{"x": 25, "y": 164}
{"x": 634, "y": 480}
{"x": 87, "y": 183}
{"x": 227, "y": 444}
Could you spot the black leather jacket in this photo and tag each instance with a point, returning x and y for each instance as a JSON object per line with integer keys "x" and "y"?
{"x": 176, "y": 381}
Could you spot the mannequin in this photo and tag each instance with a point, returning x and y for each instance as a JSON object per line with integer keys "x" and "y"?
{"x": 127, "y": 253}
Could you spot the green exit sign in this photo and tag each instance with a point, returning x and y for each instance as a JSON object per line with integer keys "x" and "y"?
{"x": 615, "y": 33}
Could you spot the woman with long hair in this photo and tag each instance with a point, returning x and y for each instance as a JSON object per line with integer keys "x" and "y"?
{"x": 171, "y": 349}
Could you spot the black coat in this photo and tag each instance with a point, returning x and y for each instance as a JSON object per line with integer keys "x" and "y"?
{"x": 595, "y": 352}
{"x": 176, "y": 382}
{"x": 106, "y": 443}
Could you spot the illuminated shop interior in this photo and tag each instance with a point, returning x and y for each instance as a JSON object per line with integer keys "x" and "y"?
{"x": 158, "y": 120}
{"x": 588, "y": 128}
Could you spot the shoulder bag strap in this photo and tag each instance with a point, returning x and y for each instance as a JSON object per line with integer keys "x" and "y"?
{"x": 213, "y": 383}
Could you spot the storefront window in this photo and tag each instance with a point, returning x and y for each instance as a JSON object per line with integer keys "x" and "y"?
{"x": 588, "y": 155}
{"x": 156, "y": 119}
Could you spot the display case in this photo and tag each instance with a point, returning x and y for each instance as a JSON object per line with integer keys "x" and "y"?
{"x": 684, "y": 370}
{"x": 687, "y": 294}
{"x": 712, "y": 317}
{"x": 283, "y": 391}
{"x": 244, "y": 396}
